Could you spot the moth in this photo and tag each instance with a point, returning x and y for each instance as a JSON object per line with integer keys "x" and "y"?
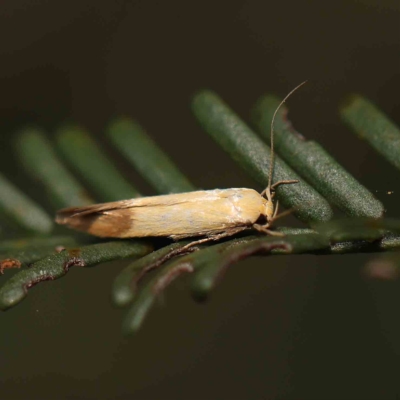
{"x": 209, "y": 214}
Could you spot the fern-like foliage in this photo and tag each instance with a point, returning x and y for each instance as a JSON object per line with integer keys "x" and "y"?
{"x": 45, "y": 252}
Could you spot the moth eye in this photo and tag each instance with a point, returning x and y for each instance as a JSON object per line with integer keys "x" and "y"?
{"x": 262, "y": 219}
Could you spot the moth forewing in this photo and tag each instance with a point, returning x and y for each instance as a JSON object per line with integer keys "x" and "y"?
{"x": 199, "y": 213}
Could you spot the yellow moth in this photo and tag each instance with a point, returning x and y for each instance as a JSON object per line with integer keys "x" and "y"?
{"x": 211, "y": 214}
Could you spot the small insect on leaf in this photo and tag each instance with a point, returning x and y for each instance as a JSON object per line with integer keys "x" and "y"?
{"x": 209, "y": 214}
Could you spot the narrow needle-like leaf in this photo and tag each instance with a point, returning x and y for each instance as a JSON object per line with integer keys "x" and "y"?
{"x": 387, "y": 243}
{"x": 208, "y": 276}
{"x": 313, "y": 163}
{"x": 369, "y": 123}
{"x": 220, "y": 255}
{"x": 41, "y": 162}
{"x": 57, "y": 265}
{"x": 124, "y": 288}
{"x": 27, "y": 251}
{"x": 21, "y": 210}
{"x": 348, "y": 229}
{"x": 391, "y": 241}
{"x": 34, "y": 242}
{"x": 145, "y": 155}
{"x": 162, "y": 278}
{"x": 88, "y": 160}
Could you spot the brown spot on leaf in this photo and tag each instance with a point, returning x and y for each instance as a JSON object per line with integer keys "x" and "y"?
{"x": 74, "y": 261}
{"x": 9, "y": 263}
{"x": 37, "y": 280}
{"x": 260, "y": 248}
{"x": 74, "y": 252}
{"x": 157, "y": 263}
{"x": 172, "y": 274}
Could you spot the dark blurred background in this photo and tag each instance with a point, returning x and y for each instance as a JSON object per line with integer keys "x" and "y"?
{"x": 276, "y": 328}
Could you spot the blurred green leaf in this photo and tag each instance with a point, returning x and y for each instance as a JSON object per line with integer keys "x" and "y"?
{"x": 313, "y": 163}
{"x": 41, "y": 163}
{"x": 369, "y": 123}
{"x": 86, "y": 158}
{"x": 147, "y": 157}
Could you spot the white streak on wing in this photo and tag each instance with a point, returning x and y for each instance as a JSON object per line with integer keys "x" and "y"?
{"x": 235, "y": 200}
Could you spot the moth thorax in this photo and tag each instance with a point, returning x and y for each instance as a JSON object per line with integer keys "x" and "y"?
{"x": 269, "y": 210}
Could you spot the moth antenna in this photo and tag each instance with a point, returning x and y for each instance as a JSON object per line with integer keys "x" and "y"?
{"x": 271, "y": 165}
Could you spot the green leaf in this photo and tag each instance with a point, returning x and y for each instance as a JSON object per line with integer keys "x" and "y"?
{"x": 21, "y": 210}
{"x": 314, "y": 164}
{"x": 124, "y": 288}
{"x": 41, "y": 163}
{"x": 89, "y": 162}
{"x": 57, "y": 265}
{"x": 147, "y": 157}
{"x": 369, "y": 123}
{"x": 209, "y": 263}
{"x": 27, "y": 251}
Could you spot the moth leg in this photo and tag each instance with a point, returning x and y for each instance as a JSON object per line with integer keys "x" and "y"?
{"x": 276, "y": 210}
{"x": 288, "y": 182}
{"x": 283, "y": 214}
{"x": 264, "y": 229}
{"x": 215, "y": 237}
